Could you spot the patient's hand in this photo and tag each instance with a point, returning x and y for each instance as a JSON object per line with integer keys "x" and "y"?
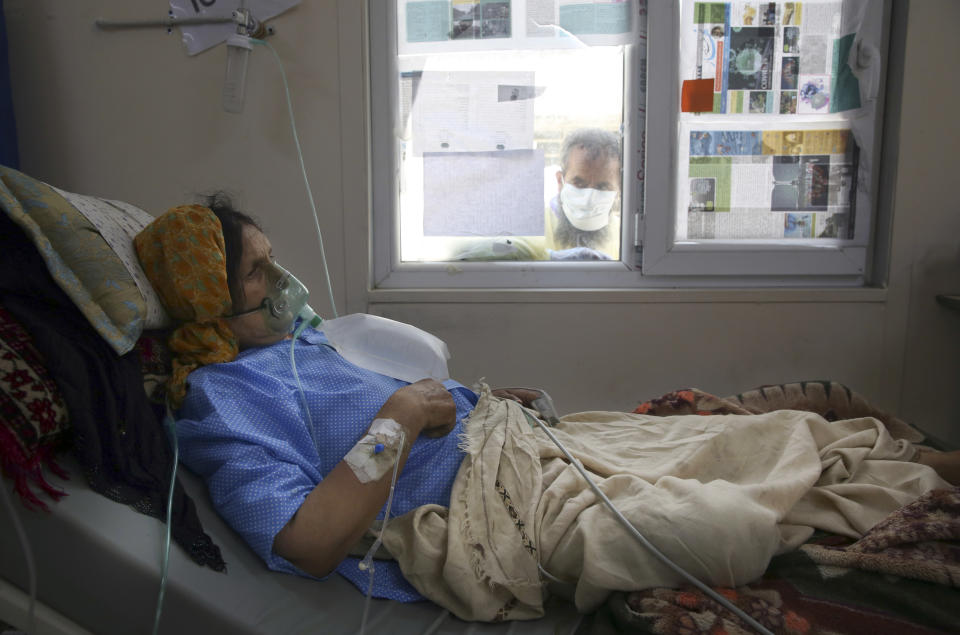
{"x": 424, "y": 407}
{"x": 340, "y": 508}
{"x": 521, "y": 395}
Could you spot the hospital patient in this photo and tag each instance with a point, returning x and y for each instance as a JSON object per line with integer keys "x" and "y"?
{"x": 720, "y": 498}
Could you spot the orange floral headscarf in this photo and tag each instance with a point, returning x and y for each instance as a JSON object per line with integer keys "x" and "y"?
{"x": 183, "y": 255}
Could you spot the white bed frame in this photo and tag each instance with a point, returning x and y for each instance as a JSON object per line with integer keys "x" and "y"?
{"x": 98, "y": 572}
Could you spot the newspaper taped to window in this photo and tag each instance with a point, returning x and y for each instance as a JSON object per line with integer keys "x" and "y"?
{"x": 768, "y": 184}
{"x": 773, "y": 58}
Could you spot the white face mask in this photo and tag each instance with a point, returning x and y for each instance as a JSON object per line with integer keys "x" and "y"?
{"x": 587, "y": 209}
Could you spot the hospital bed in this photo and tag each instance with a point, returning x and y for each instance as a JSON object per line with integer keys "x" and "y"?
{"x": 97, "y": 563}
{"x": 98, "y": 571}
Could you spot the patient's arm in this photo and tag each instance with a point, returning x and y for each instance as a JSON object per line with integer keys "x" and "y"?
{"x": 340, "y": 508}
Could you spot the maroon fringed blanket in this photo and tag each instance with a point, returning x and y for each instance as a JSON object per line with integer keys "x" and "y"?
{"x": 33, "y": 418}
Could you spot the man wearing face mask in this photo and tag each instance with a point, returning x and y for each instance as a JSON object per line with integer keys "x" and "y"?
{"x": 583, "y": 220}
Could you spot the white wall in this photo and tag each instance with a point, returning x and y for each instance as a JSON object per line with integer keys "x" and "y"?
{"x": 927, "y": 222}
{"x": 129, "y": 115}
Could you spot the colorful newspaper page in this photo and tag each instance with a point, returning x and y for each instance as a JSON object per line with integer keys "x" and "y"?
{"x": 768, "y": 184}
{"x": 780, "y": 58}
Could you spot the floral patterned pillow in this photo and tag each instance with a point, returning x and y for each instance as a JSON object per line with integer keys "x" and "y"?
{"x": 33, "y": 417}
{"x": 87, "y": 245}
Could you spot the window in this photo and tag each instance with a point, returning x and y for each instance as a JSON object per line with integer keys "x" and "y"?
{"x": 745, "y": 140}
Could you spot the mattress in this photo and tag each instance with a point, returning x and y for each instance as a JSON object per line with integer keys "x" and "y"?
{"x": 98, "y": 570}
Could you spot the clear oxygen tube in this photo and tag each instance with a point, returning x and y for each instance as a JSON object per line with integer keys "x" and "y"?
{"x": 544, "y": 405}
{"x": 303, "y": 171}
{"x": 310, "y": 318}
{"x": 171, "y": 428}
{"x": 367, "y": 563}
{"x": 27, "y": 550}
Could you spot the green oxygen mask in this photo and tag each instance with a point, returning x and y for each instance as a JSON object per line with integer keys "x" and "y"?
{"x": 286, "y": 300}
{"x": 376, "y": 343}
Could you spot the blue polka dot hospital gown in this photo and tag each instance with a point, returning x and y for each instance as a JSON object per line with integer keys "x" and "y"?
{"x": 242, "y": 429}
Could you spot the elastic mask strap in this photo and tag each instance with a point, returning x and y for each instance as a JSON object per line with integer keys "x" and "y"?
{"x": 266, "y": 304}
{"x": 170, "y": 423}
{"x": 282, "y": 283}
{"x": 255, "y": 309}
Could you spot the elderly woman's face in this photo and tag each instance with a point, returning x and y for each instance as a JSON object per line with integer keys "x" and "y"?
{"x": 257, "y": 254}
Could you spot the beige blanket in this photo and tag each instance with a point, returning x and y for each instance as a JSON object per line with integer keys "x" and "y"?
{"x": 719, "y": 495}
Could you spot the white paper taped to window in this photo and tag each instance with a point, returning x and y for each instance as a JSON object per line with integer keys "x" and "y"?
{"x": 483, "y": 194}
{"x": 198, "y": 38}
{"x": 473, "y": 111}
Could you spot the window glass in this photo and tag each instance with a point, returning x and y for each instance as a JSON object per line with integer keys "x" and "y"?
{"x": 489, "y": 93}
{"x": 769, "y": 184}
{"x": 765, "y": 142}
{"x": 746, "y": 137}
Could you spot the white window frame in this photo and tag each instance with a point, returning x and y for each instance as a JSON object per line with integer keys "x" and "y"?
{"x": 829, "y": 264}
{"x": 656, "y": 260}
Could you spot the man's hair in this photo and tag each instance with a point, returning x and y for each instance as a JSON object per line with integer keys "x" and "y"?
{"x": 595, "y": 142}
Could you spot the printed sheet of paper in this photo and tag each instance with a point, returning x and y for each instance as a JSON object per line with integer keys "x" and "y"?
{"x": 590, "y": 20}
{"x": 457, "y": 25}
{"x": 483, "y": 194}
{"x": 780, "y": 58}
{"x": 768, "y": 183}
{"x": 473, "y": 111}
{"x": 200, "y": 37}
